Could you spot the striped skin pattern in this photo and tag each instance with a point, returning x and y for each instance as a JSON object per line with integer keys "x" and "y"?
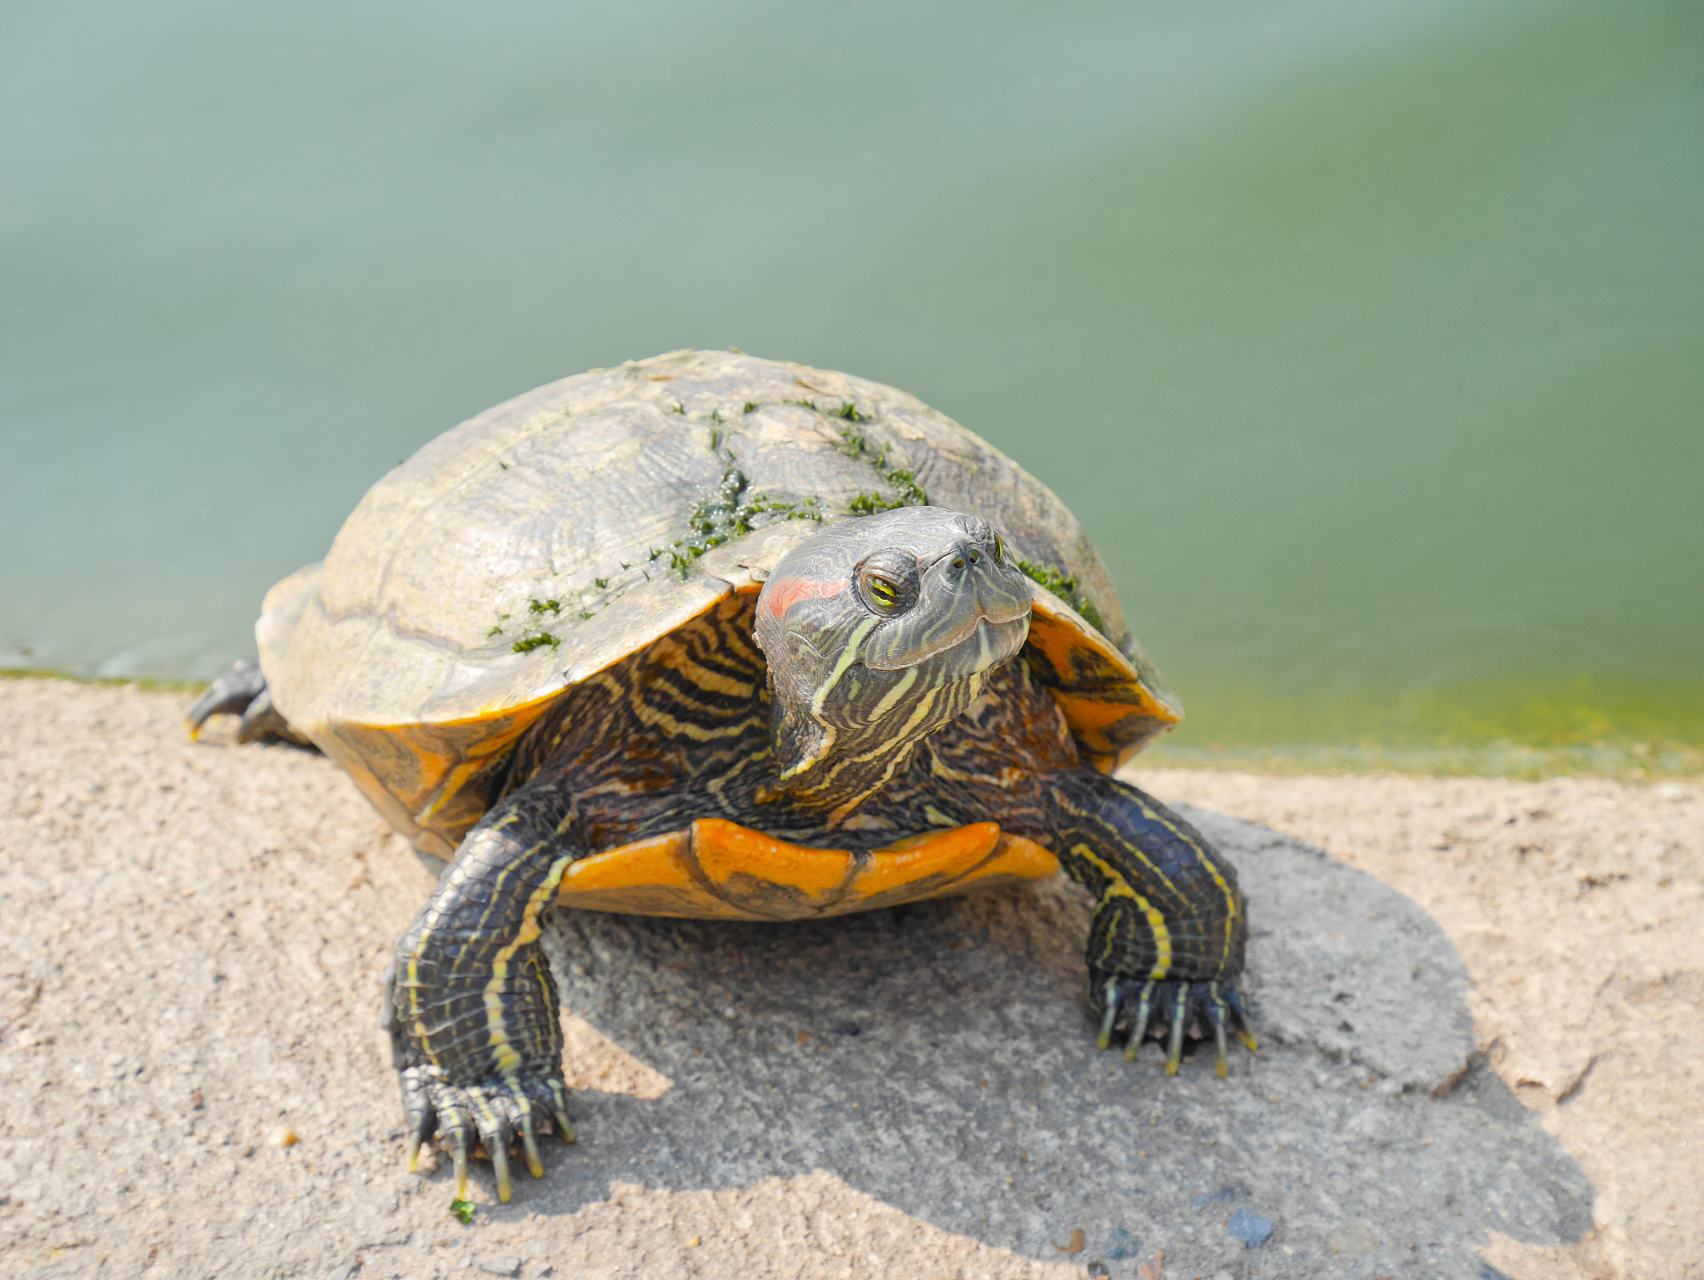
{"x": 681, "y": 731}
{"x": 866, "y": 762}
{"x": 1169, "y": 929}
{"x": 932, "y": 603}
{"x": 472, "y": 985}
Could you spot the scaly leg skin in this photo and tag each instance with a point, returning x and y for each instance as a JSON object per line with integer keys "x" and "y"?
{"x": 1169, "y": 931}
{"x": 242, "y": 691}
{"x": 472, "y": 1008}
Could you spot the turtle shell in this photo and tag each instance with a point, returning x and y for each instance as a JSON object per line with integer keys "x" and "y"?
{"x": 555, "y": 534}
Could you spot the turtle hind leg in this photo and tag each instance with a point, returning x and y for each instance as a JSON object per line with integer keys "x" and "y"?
{"x": 242, "y": 691}
{"x": 230, "y": 694}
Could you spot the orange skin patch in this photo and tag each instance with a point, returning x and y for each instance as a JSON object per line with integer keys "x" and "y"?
{"x": 785, "y": 594}
{"x": 719, "y": 870}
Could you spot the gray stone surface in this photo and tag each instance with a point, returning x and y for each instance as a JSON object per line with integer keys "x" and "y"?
{"x": 939, "y": 1057}
{"x": 1344, "y": 966}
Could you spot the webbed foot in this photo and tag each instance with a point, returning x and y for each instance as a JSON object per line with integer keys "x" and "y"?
{"x": 1169, "y": 1010}
{"x": 242, "y": 691}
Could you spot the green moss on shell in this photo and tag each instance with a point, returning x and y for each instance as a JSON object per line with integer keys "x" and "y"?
{"x": 731, "y": 511}
{"x": 1065, "y": 588}
{"x": 855, "y": 444}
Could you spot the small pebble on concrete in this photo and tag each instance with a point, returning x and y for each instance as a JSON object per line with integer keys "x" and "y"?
{"x": 1073, "y": 1242}
{"x": 1224, "y": 1195}
{"x": 1252, "y": 1229}
{"x": 498, "y": 1264}
{"x": 1353, "y": 1239}
{"x": 1120, "y": 1244}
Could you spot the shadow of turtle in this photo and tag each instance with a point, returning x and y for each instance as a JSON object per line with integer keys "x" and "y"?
{"x": 939, "y": 1057}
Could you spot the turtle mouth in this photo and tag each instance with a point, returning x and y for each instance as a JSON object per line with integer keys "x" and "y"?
{"x": 969, "y": 601}
{"x": 972, "y": 612}
{"x": 986, "y": 637}
{"x": 999, "y": 639}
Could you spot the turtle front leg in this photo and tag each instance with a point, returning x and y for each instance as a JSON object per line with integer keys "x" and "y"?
{"x": 1166, "y": 944}
{"x": 472, "y": 1007}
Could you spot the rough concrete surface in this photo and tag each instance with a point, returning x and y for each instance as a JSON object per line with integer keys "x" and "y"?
{"x": 1578, "y": 907}
{"x": 191, "y": 1080}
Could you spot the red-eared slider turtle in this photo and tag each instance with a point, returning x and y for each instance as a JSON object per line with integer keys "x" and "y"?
{"x": 707, "y": 635}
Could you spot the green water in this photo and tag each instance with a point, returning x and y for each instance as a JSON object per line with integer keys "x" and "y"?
{"x": 1366, "y": 338}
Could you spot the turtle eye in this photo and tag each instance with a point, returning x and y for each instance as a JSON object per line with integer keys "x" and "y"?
{"x": 882, "y": 593}
{"x": 887, "y": 582}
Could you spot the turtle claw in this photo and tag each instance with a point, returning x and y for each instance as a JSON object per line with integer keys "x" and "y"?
{"x": 230, "y": 694}
{"x": 529, "y": 1144}
{"x": 1244, "y": 1024}
{"x": 1143, "y": 1010}
{"x": 559, "y": 1110}
{"x": 1174, "y": 1054}
{"x": 418, "y": 1134}
{"x": 459, "y": 1155}
{"x": 1178, "y": 1010}
{"x": 1110, "y": 997}
{"x": 481, "y": 1120}
{"x": 457, "y": 1133}
{"x": 242, "y": 691}
{"x": 496, "y": 1134}
{"x": 1219, "y": 1012}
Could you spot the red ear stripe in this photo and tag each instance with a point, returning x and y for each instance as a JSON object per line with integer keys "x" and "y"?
{"x": 780, "y": 595}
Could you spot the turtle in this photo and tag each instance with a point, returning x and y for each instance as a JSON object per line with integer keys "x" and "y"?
{"x": 708, "y": 635}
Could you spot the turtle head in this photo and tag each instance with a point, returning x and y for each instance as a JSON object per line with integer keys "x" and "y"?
{"x": 877, "y": 632}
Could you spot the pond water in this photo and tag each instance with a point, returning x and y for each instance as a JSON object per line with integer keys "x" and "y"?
{"x": 1366, "y": 338}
